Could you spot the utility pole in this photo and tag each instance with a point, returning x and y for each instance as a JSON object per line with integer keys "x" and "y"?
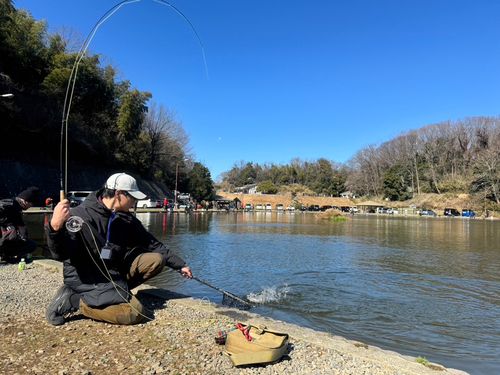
{"x": 176, "y": 177}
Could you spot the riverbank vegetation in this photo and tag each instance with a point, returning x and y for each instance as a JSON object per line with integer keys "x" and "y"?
{"x": 445, "y": 159}
{"x": 111, "y": 123}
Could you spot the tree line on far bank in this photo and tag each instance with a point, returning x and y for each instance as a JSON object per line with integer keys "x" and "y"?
{"x": 111, "y": 123}
{"x": 448, "y": 157}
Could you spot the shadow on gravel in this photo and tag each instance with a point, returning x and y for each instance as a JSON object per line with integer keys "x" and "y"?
{"x": 76, "y": 317}
{"x": 159, "y": 294}
{"x": 285, "y": 358}
{"x": 155, "y": 299}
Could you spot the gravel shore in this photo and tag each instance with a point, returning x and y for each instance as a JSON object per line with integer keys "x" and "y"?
{"x": 180, "y": 339}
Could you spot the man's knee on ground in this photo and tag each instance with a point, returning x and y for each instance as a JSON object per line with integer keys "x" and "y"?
{"x": 131, "y": 318}
{"x": 129, "y": 313}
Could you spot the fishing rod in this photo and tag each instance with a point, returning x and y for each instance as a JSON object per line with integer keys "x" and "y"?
{"x": 75, "y": 223}
{"x": 70, "y": 89}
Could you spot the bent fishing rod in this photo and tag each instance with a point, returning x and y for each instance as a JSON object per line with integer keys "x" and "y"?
{"x": 75, "y": 224}
{"x": 70, "y": 89}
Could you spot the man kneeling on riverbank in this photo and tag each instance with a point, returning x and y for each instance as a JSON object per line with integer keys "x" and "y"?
{"x": 111, "y": 254}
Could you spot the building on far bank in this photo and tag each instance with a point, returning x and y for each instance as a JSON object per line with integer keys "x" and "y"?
{"x": 247, "y": 189}
{"x": 348, "y": 195}
{"x": 369, "y": 206}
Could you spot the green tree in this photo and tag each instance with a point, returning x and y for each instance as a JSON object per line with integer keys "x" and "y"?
{"x": 200, "y": 183}
{"x": 240, "y": 175}
{"x": 132, "y": 144}
{"x": 323, "y": 176}
{"x": 6, "y": 27}
{"x": 107, "y": 123}
{"x": 25, "y": 59}
{"x": 247, "y": 175}
{"x": 395, "y": 184}
{"x": 267, "y": 187}
{"x": 131, "y": 114}
{"x": 337, "y": 185}
{"x": 92, "y": 121}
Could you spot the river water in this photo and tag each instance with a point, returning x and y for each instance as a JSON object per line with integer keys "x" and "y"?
{"x": 420, "y": 286}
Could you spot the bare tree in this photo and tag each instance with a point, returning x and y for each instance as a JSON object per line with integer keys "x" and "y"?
{"x": 365, "y": 176}
{"x": 168, "y": 142}
{"x": 487, "y": 161}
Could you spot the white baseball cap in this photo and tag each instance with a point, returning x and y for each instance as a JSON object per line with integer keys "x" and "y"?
{"x": 124, "y": 182}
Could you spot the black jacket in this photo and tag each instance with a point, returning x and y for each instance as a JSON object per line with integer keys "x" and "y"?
{"x": 11, "y": 222}
{"x": 84, "y": 270}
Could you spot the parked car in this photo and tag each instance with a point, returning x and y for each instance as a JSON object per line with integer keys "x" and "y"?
{"x": 184, "y": 207}
{"x": 77, "y": 197}
{"x": 290, "y": 208}
{"x": 248, "y": 207}
{"x": 150, "y": 203}
{"x": 259, "y": 207}
{"x": 279, "y": 207}
{"x": 451, "y": 212}
{"x": 314, "y": 207}
{"x": 269, "y": 207}
{"x": 183, "y": 196}
{"x": 427, "y": 213}
{"x": 468, "y": 213}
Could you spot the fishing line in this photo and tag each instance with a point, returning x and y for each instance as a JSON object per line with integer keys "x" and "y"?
{"x": 75, "y": 223}
{"x": 235, "y": 301}
{"x": 107, "y": 275}
{"x": 70, "y": 89}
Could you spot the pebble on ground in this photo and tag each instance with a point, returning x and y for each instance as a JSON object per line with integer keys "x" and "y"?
{"x": 180, "y": 339}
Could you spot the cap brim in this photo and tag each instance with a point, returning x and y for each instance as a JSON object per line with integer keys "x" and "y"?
{"x": 137, "y": 194}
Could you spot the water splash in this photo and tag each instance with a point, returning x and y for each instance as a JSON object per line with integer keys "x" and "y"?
{"x": 269, "y": 295}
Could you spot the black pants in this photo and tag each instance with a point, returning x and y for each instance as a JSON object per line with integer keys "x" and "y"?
{"x": 14, "y": 251}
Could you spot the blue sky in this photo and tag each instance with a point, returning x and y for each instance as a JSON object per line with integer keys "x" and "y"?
{"x": 305, "y": 79}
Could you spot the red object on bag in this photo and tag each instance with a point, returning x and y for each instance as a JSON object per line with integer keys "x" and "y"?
{"x": 245, "y": 331}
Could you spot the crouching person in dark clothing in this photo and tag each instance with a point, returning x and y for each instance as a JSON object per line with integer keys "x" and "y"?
{"x": 14, "y": 241}
{"x": 106, "y": 255}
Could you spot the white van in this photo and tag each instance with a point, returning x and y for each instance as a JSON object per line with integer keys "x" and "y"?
{"x": 149, "y": 203}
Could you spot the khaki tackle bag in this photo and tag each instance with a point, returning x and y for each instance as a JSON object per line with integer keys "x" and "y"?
{"x": 248, "y": 344}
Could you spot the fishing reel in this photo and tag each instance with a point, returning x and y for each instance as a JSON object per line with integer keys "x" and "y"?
{"x": 74, "y": 224}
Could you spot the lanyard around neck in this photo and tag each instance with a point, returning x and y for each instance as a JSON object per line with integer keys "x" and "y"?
{"x": 113, "y": 215}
